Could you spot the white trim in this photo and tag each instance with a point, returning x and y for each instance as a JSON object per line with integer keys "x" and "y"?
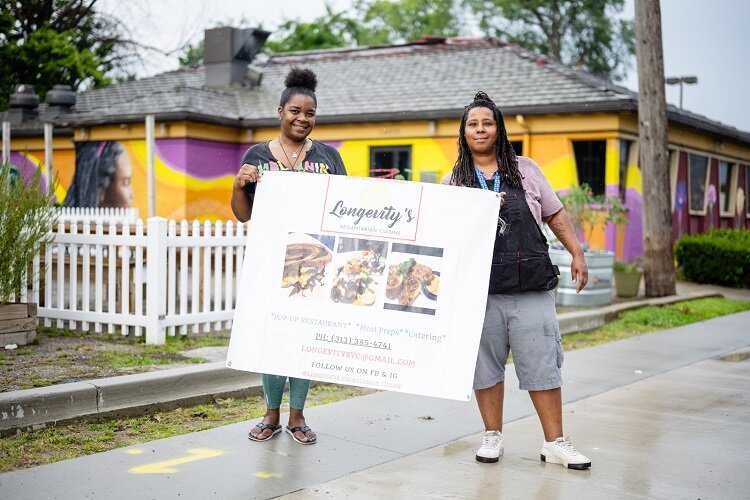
{"x": 674, "y": 169}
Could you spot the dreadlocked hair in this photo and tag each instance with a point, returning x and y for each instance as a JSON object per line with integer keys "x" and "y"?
{"x": 299, "y": 81}
{"x": 463, "y": 170}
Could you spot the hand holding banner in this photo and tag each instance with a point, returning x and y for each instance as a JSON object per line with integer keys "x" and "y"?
{"x": 368, "y": 282}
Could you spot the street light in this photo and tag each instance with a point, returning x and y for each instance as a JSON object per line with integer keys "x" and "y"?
{"x": 674, "y": 80}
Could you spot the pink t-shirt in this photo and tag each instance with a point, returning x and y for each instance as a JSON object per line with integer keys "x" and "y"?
{"x": 540, "y": 196}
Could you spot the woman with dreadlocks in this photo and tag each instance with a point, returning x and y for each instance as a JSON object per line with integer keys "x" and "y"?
{"x": 520, "y": 313}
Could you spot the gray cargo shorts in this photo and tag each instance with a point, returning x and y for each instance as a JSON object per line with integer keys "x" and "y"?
{"x": 526, "y": 324}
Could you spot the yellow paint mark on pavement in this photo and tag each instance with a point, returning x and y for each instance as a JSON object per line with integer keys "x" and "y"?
{"x": 134, "y": 452}
{"x": 168, "y": 466}
{"x": 267, "y": 475}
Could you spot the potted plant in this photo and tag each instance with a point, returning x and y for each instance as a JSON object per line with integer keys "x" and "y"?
{"x": 587, "y": 213}
{"x": 26, "y": 221}
{"x": 627, "y": 278}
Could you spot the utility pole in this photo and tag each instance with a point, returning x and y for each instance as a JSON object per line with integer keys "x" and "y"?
{"x": 654, "y": 152}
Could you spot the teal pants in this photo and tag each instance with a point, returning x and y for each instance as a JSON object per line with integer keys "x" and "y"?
{"x": 273, "y": 389}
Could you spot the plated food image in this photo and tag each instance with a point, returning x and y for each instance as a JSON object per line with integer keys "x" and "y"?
{"x": 408, "y": 279}
{"x": 355, "y": 280}
{"x": 304, "y": 266}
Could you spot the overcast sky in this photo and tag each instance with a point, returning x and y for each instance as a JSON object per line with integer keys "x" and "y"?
{"x": 702, "y": 38}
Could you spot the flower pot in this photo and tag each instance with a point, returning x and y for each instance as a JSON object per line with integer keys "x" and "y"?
{"x": 598, "y": 291}
{"x": 627, "y": 283}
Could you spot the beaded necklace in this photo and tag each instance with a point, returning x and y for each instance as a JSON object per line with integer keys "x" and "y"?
{"x": 502, "y": 225}
{"x": 483, "y": 182}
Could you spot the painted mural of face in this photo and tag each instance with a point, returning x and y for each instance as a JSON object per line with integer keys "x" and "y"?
{"x": 297, "y": 117}
{"x": 119, "y": 193}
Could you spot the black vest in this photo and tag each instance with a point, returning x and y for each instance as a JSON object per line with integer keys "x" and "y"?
{"x": 520, "y": 261}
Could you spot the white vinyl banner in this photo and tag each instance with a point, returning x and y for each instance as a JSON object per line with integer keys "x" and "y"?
{"x": 369, "y": 282}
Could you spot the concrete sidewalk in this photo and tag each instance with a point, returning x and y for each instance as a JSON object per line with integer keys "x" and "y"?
{"x": 664, "y": 415}
{"x": 166, "y": 389}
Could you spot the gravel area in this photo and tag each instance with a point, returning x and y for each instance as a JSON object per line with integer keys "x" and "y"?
{"x": 62, "y": 359}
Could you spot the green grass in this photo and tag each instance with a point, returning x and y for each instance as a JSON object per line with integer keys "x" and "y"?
{"x": 53, "y": 444}
{"x": 653, "y": 318}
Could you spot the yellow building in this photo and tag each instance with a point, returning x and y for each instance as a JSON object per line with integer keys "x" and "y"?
{"x": 391, "y": 111}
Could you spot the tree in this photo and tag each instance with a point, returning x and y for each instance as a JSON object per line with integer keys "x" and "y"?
{"x": 378, "y": 22}
{"x": 653, "y": 147}
{"x": 192, "y": 54}
{"x": 580, "y": 33}
{"x": 386, "y": 21}
{"x": 331, "y": 30}
{"x": 49, "y": 42}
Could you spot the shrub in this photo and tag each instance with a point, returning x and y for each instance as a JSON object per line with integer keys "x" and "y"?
{"x": 587, "y": 211}
{"x": 26, "y": 220}
{"x": 720, "y": 257}
{"x": 627, "y": 267}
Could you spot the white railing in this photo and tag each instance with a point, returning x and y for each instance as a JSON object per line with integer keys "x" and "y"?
{"x": 164, "y": 278}
{"x": 94, "y": 215}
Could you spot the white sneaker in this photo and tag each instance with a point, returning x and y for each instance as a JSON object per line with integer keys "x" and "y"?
{"x": 492, "y": 447}
{"x": 561, "y": 451}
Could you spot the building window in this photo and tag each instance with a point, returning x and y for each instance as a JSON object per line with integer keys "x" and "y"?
{"x": 590, "y": 163}
{"x": 727, "y": 182}
{"x": 393, "y": 162}
{"x": 517, "y": 147}
{"x": 697, "y": 178}
{"x": 624, "y": 162}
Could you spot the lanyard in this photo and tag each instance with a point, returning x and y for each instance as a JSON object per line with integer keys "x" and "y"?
{"x": 483, "y": 182}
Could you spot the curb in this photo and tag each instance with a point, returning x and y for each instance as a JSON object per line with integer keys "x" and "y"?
{"x": 581, "y": 321}
{"x": 125, "y": 395}
{"x": 142, "y": 393}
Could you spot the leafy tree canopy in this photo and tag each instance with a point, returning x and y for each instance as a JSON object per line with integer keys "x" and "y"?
{"x": 579, "y": 33}
{"x": 50, "y": 42}
{"x": 330, "y": 30}
{"x": 384, "y": 21}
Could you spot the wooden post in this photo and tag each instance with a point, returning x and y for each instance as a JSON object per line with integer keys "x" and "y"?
{"x": 6, "y": 142}
{"x": 654, "y": 152}
{"x": 156, "y": 280}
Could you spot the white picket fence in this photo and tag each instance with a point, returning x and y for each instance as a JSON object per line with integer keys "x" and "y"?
{"x": 96, "y": 214}
{"x": 161, "y": 279}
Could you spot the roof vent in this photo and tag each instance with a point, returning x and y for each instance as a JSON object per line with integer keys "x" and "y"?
{"x": 227, "y": 53}
{"x": 59, "y": 100}
{"x": 429, "y": 40}
{"x": 23, "y": 104}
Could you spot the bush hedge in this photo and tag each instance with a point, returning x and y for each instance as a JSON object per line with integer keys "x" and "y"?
{"x": 720, "y": 257}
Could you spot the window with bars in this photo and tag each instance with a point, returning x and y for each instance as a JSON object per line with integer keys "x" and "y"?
{"x": 391, "y": 162}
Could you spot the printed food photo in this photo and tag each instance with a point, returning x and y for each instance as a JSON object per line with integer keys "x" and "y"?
{"x": 358, "y": 273}
{"x": 304, "y": 265}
